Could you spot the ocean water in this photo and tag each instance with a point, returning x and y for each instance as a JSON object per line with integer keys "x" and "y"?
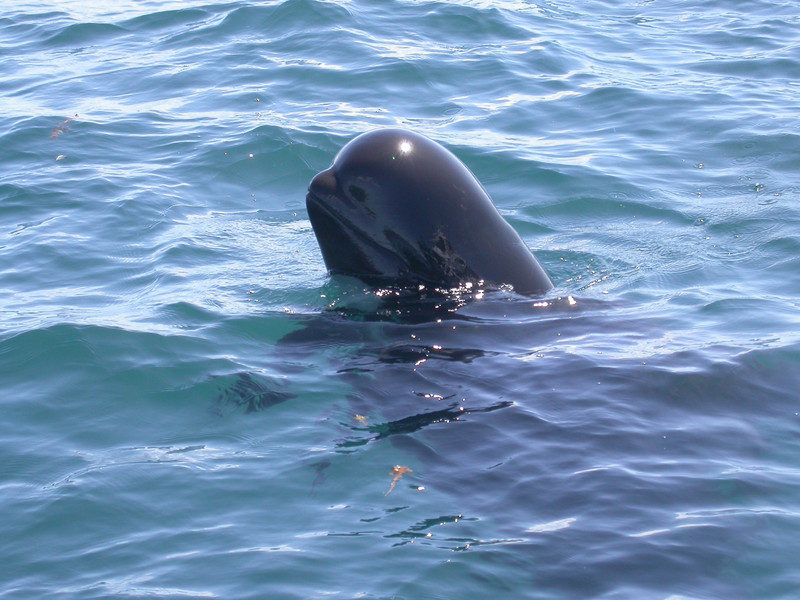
{"x": 192, "y": 408}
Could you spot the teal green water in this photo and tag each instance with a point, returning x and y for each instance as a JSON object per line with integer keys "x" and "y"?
{"x": 191, "y": 408}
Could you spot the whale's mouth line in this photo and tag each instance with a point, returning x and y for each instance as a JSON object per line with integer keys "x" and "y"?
{"x": 323, "y": 207}
{"x": 406, "y": 267}
{"x": 358, "y": 239}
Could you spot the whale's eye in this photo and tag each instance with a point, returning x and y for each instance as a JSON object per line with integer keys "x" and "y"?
{"x": 356, "y": 193}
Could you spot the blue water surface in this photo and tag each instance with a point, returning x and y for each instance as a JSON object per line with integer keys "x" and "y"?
{"x": 192, "y": 408}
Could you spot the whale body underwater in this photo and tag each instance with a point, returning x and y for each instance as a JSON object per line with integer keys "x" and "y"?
{"x": 396, "y": 208}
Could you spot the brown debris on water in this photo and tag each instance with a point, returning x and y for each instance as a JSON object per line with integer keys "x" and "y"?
{"x": 62, "y": 127}
{"x": 396, "y": 473}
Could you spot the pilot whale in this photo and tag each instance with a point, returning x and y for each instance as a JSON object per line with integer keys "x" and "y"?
{"x": 398, "y": 209}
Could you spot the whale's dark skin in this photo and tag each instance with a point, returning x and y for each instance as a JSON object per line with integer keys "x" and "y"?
{"x": 398, "y": 209}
